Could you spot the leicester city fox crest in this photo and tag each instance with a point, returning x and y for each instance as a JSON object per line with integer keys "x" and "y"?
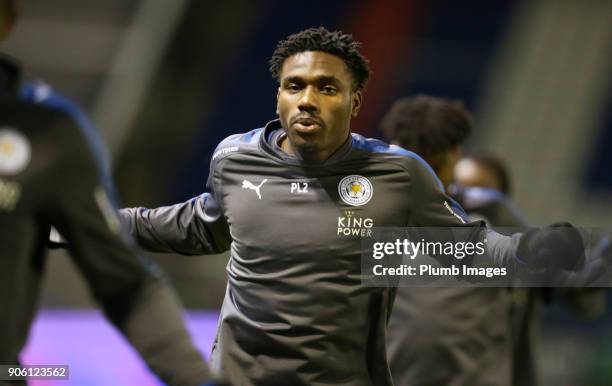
{"x": 15, "y": 151}
{"x": 355, "y": 190}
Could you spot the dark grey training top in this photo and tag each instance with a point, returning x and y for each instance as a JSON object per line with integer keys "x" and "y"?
{"x": 295, "y": 312}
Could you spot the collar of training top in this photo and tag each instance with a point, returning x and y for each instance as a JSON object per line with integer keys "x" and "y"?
{"x": 10, "y": 76}
{"x": 269, "y": 143}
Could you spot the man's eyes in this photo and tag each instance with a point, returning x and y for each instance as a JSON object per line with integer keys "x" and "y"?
{"x": 292, "y": 87}
{"x": 326, "y": 89}
{"x": 329, "y": 89}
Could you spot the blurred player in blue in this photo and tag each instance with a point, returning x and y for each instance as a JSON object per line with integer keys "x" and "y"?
{"x": 49, "y": 176}
{"x": 41, "y": 93}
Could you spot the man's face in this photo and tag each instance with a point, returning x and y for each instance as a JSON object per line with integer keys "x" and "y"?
{"x": 471, "y": 173}
{"x": 315, "y": 102}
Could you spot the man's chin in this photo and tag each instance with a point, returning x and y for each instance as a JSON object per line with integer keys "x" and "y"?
{"x": 306, "y": 146}
{"x": 304, "y": 143}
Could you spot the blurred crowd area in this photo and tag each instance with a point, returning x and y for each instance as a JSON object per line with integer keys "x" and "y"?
{"x": 165, "y": 81}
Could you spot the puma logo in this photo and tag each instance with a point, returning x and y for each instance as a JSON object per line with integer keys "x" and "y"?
{"x": 249, "y": 185}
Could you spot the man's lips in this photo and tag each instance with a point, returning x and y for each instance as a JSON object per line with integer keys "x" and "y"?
{"x": 307, "y": 125}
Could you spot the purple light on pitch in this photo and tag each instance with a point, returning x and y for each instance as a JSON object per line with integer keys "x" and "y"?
{"x": 95, "y": 351}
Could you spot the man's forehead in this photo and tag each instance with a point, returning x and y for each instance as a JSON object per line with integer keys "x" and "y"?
{"x": 315, "y": 64}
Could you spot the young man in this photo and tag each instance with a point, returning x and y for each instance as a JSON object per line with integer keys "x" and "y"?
{"x": 292, "y": 200}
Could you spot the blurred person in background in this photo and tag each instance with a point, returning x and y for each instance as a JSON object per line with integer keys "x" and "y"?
{"x": 41, "y": 93}
{"x": 479, "y": 181}
{"x": 457, "y": 336}
{"x": 49, "y": 176}
{"x": 291, "y": 201}
{"x": 482, "y": 183}
{"x": 482, "y": 171}
{"x": 444, "y": 336}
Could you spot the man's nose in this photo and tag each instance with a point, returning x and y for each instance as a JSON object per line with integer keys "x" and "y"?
{"x": 309, "y": 100}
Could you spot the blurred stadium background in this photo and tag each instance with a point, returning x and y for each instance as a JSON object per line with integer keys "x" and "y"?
{"x": 165, "y": 81}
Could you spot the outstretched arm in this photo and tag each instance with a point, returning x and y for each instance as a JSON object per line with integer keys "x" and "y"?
{"x": 194, "y": 227}
{"x": 557, "y": 246}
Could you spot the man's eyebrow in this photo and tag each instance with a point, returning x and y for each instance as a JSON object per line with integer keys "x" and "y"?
{"x": 293, "y": 79}
{"x": 316, "y": 79}
{"x": 328, "y": 79}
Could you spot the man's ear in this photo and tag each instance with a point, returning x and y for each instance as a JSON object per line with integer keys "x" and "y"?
{"x": 356, "y": 102}
{"x": 277, "y": 96}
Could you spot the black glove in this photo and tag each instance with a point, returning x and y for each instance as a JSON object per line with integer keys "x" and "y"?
{"x": 559, "y": 245}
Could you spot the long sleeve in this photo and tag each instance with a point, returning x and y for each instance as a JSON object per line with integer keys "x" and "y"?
{"x": 194, "y": 227}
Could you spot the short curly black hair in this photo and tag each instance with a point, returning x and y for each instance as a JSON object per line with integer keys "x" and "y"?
{"x": 336, "y": 43}
{"x": 427, "y": 125}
